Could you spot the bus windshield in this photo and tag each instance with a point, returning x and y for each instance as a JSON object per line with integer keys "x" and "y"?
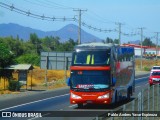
{"x": 84, "y": 58}
{"x": 91, "y": 80}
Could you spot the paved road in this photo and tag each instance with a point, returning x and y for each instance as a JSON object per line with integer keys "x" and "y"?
{"x": 54, "y": 100}
{"x": 30, "y": 96}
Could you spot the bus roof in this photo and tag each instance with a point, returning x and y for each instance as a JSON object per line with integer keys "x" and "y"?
{"x": 95, "y": 45}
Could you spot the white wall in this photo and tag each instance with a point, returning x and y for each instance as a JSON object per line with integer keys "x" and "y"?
{"x": 152, "y": 51}
{"x": 137, "y": 51}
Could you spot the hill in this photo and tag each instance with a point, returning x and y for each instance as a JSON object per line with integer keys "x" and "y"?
{"x": 65, "y": 33}
{"x": 137, "y": 42}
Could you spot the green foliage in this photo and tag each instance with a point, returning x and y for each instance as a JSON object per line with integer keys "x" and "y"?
{"x": 14, "y": 85}
{"x": 147, "y": 68}
{"x": 33, "y": 59}
{"x": 110, "y": 40}
{"x": 116, "y": 41}
{"x": 50, "y": 43}
{"x": 6, "y": 56}
{"x": 34, "y": 40}
{"x": 29, "y": 51}
{"x": 148, "y": 42}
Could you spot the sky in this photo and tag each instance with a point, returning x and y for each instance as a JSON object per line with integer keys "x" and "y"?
{"x": 98, "y": 14}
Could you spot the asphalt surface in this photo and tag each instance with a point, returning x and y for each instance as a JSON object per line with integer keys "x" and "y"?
{"x": 58, "y": 100}
{"x": 9, "y": 100}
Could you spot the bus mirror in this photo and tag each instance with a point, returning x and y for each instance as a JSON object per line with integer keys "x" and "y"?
{"x": 68, "y": 81}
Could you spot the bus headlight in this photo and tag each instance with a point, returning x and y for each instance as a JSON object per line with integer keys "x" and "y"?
{"x": 75, "y": 96}
{"x": 104, "y": 96}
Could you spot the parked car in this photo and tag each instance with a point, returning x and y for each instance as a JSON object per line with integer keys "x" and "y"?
{"x": 154, "y": 77}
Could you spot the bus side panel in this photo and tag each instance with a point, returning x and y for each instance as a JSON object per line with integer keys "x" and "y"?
{"x": 125, "y": 73}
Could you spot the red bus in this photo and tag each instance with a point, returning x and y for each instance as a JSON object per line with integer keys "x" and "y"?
{"x": 101, "y": 74}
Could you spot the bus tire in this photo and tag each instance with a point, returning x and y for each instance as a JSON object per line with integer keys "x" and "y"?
{"x": 116, "y": 98}
{"x": 80, "y": 105}
{"x": 129, "y": 93}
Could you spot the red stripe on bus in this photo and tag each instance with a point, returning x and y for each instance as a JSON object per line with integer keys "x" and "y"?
{"x": 89, "y": 68}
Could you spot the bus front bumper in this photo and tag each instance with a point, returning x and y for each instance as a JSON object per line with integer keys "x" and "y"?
{"x": 91, "y": 98}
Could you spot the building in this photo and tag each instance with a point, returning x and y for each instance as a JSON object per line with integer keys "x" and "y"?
{"x": 147, "y": 52}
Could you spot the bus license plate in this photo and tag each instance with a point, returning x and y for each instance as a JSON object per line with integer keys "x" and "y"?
{"x": 89, "y": 101}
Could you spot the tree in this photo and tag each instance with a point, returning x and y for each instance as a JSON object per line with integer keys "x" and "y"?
{"x": 33, "y": 59}
{"x": 6, "y": 56}
{"x": 108, "y": 40}
{"x": 6, "y": 59}
{"x": 148, "y": 42}
{"x": 67, "y": 46}
{"x": 50, "y": 43}
{"x": 16, "y": 50}
{"x": 36, "y": 41}
{"x": 116, "y": 41}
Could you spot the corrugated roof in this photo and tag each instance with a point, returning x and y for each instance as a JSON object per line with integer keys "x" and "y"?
{"x": 20, "y": 67}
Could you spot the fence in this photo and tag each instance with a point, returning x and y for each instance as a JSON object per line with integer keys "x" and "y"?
{"x": 55, "y": 60}
{"x": 147, "y": 103}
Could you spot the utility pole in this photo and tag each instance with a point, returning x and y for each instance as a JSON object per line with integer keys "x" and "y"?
{"x": 119, "y": 30}
{"x": 79, "y": 28}
{"x": 157, "y": 33}
{"x": 141, "y": 44}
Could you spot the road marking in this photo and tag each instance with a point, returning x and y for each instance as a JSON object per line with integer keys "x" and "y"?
{"x": 48, "y": 99}
{"x": 33, "y": 102}
{"x": 141, "y": 78}
{"x": 140, "y": 85}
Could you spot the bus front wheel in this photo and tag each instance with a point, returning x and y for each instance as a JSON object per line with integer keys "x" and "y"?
{"x": 80, "y": 105}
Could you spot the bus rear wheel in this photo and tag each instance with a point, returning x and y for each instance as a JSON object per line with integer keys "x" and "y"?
{"x": 129, "y": 93}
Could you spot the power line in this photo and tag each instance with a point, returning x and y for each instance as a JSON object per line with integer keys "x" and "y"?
{"x": 53, "y": 18}
{"x": 119, "y": 31}
{"x": 48, "y": 4}
{"x": 99, "y": 18}
{"x": 48, "y": 18}
{"x": 30, "y": 14}
{"x": 59, "y": 5}
{"x": 97, "y": 29}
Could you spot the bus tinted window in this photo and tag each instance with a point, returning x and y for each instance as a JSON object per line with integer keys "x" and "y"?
{"x": 88, "y": 79}
{"x": 91, "y": 58}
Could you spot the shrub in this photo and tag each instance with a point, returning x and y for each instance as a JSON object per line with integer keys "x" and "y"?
{"x": 33, "y": 59}
{"x": 14, "y": 85}
{"x": 147, "y": 68}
